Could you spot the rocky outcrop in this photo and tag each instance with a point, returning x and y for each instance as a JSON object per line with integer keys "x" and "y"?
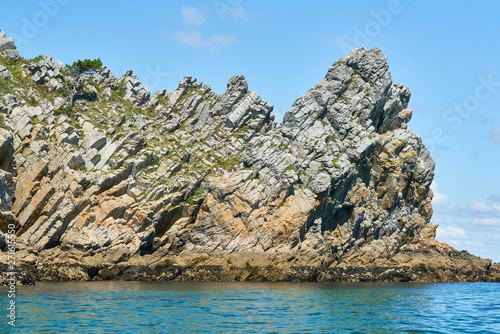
{"x": 135, "y": 91}
{"x": 47, "y": 72}
{"x": 7, "y": 46}
{"x": 190, "y": 184}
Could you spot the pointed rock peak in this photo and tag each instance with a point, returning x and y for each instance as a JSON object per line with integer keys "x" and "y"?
{"x": 129, "y": 73}
{"x": 371, "y": 65}
{"x": 237, "y": 88}
{"x": 105, "y": 76}
{"x": 190, "y": 82}
{"x": 237, "y": 83}
{"x": 106, "y": 72}
{"x": 7, "y": 45}
{"x": 104, "y": 69}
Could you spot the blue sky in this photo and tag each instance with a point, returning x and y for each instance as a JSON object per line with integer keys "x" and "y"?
{"x": 446, "y": 52}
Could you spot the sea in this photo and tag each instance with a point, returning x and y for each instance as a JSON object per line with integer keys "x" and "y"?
{"x": 253, "y": 307}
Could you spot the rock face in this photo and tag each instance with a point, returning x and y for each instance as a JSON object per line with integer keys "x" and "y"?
{"x": 189, "y": 184}
{"x": 7, "y": 46}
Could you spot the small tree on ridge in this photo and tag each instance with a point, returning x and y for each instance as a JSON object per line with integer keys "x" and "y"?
{"x": 80, "y": 69}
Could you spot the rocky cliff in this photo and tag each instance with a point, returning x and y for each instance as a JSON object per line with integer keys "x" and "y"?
{"x": 190, "y": 184}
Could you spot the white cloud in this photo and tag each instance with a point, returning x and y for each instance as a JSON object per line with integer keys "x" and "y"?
{"x": 195, "y": 39}
{"x": 450, "y": 233}
{"x": 438, "y": 199}
{"x": 495, "y": 134}
{"x": 192, "y": 15}
{"x": 495, "y": 198}
{"x": 226, "y": 10}
{"x": 475, "y": 226}
{"x": 484, "y": 208}
{"x": 487, "y": 222}
{"x": 479, "y": 206}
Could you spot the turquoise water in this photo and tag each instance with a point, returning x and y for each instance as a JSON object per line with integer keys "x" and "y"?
{"x": 210, "y": 307}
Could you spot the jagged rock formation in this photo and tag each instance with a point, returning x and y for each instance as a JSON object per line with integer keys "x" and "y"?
{"x": 189, "y": 184}
{"x": 7, "y": 46}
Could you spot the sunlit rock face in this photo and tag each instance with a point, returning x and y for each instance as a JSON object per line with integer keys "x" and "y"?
{"x": 193, "y": 178}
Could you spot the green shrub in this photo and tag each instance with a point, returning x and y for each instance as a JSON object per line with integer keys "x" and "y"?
{"x": 190, "y": 200}
{"x": 331, "y": 138}
{"x": 65, "y": 110}
{"x": 35, "y": 60}
{"x": 5, "y": 86}
{"x": 32, "y": 101}
{"x": 85, "y": 67}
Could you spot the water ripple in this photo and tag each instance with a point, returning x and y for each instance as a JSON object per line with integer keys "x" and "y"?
{"x": 195, "y": 307}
